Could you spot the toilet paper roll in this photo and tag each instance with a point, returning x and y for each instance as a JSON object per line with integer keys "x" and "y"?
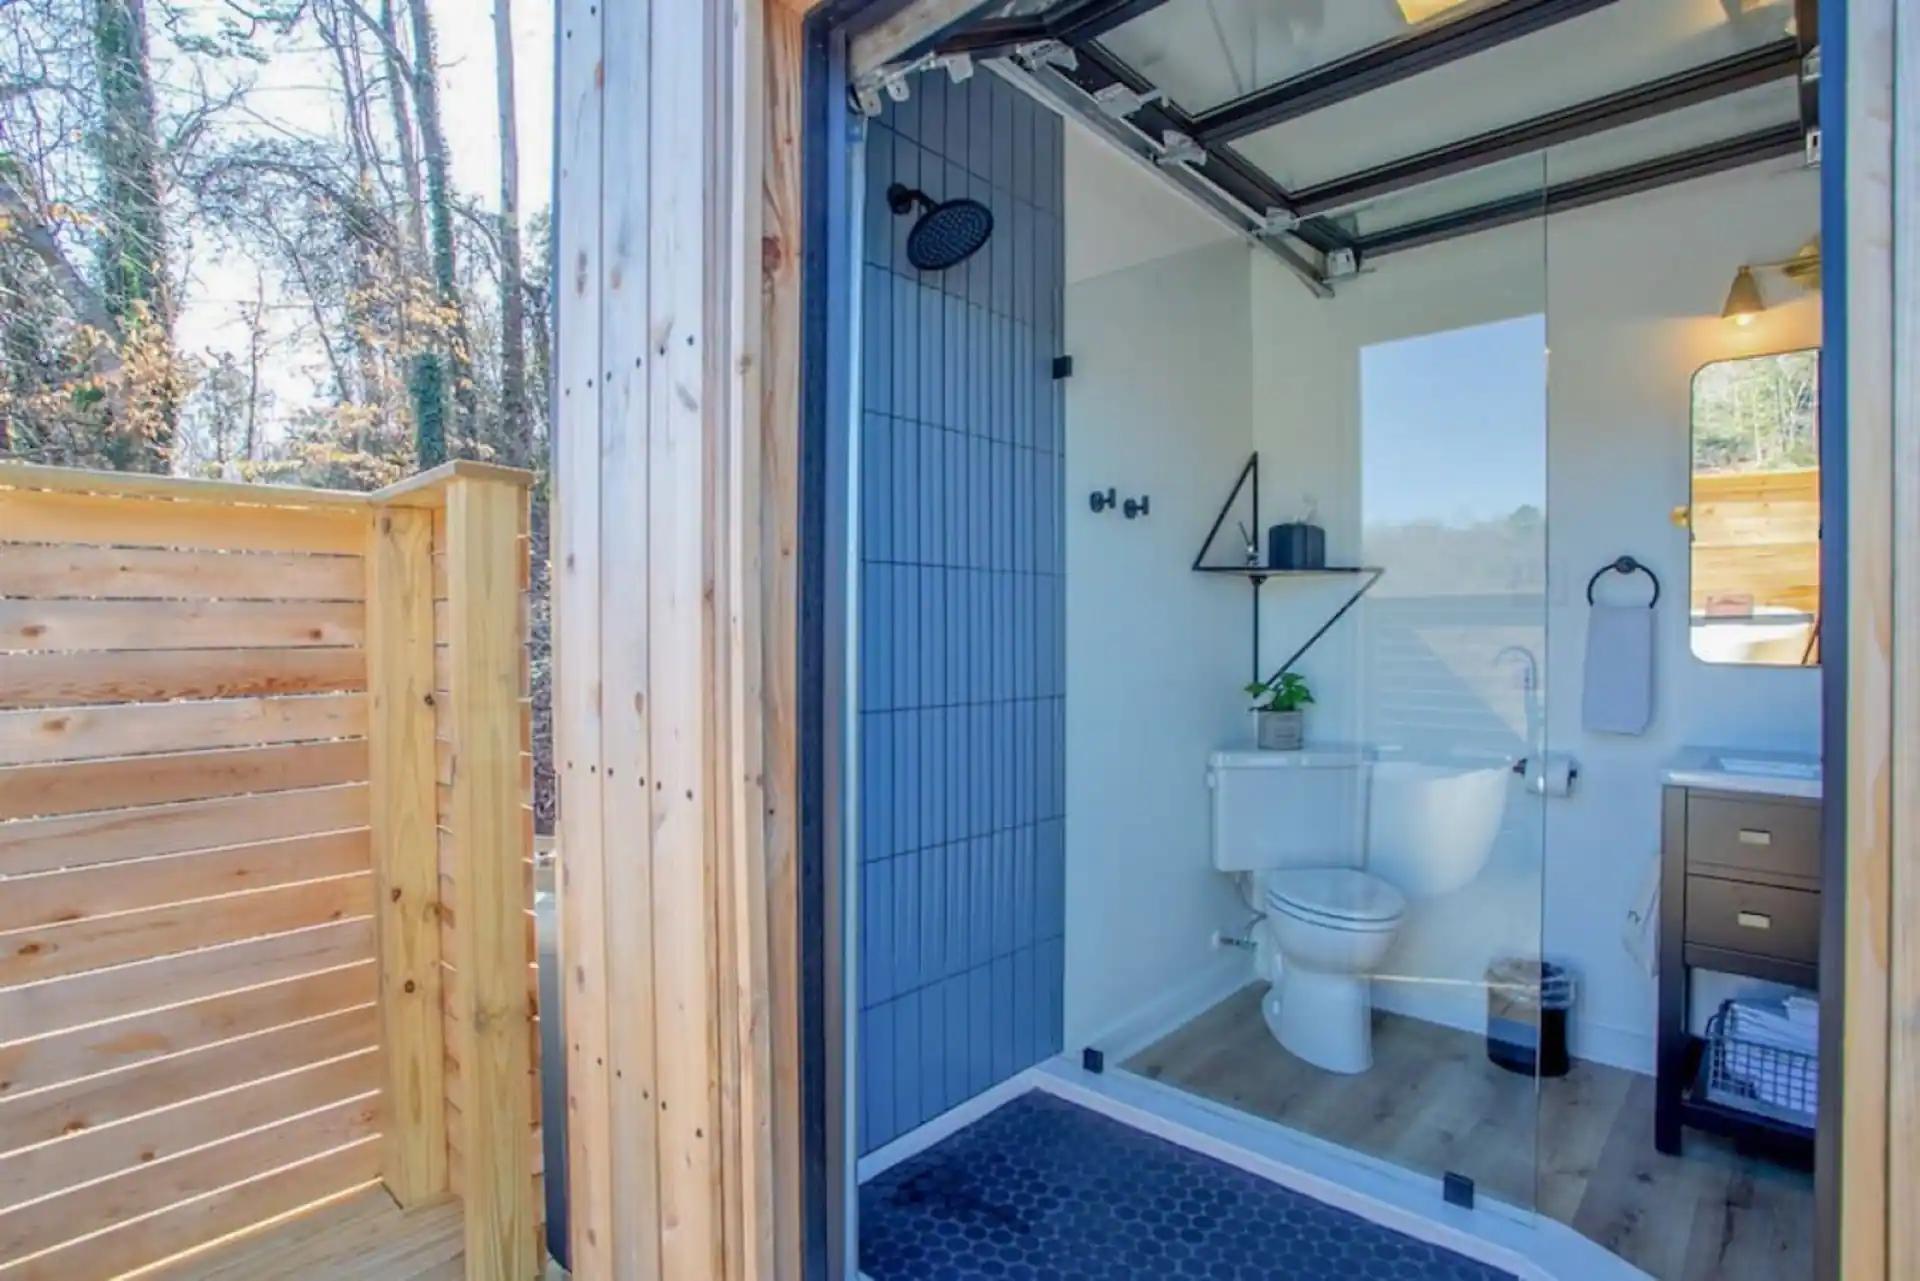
{"x": 1552, "y": 774}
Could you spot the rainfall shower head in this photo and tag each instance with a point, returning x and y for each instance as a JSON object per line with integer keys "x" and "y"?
{"x": 947, "y": 233}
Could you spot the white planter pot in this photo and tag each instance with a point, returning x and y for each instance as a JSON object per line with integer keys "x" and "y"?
{"x": 1280, "y": 731}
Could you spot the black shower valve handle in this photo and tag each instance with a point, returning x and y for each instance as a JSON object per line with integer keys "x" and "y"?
{"x": 1101, "y": 499}
{"x": 1135, "y": 507}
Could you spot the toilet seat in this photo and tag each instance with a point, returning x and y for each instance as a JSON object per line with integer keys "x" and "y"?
{"x": 1341, "y": 898}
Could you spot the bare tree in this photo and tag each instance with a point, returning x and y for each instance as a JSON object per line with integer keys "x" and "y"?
{"x": 515, "y": 425}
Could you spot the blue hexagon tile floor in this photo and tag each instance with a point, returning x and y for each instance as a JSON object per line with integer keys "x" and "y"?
{"x": 1041, "y": 1188}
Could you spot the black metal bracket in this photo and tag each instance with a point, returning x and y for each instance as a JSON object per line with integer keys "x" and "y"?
{"x": 1062, "y": 367}
{"x": 1457, "y": 1189}
{"x": 1101, "y": 499}
{"x": 1134, "y": 508}
{"x": 1257, "y": 573}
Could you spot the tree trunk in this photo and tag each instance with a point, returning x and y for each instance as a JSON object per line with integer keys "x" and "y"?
{"x": 433, "y": 148}
{"x": 426, "y": 373}
{"x": 516, "y": 423}
{"x": 134, "y": 259}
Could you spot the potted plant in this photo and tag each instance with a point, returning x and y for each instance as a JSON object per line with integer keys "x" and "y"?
{"x": 1280, "y": 718}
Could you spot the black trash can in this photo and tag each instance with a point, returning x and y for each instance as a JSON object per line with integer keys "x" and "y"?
{"x": 1527, "y": 1006}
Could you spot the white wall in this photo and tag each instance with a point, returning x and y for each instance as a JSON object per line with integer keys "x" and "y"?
{"x": 1157, "y": 405}
{"x": 1632, "y": 291}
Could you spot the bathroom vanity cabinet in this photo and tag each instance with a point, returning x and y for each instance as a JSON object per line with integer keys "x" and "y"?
{"x": 1739, "y": 894}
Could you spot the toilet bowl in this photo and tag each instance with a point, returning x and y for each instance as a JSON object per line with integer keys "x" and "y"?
{"x": 1332, "y": 927}
{"x": 1329, "y": 845}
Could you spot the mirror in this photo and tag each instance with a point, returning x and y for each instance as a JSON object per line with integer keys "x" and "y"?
{"x": 1755, "y": 511}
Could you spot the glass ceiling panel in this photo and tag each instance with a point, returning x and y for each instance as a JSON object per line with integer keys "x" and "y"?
{"x": 1207, "y": 52}
{"x": 1696, "y": 126}
{"x": 1612, "y": 48}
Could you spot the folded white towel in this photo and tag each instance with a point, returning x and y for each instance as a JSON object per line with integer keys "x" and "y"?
{"x": 1618, "y": 697}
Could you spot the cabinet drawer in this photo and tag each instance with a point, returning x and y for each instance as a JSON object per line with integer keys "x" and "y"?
{"x": 1773, "y": 838}
{"x": 1765, "y": 920}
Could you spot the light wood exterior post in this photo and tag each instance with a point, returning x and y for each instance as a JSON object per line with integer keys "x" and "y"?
{"x": 490, "y": 1006}
{"x": 675, "y": 520}
{"x": 405, "y": 857}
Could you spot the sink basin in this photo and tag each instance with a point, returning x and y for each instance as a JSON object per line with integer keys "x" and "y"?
{"x": 1738, "y": 770}
{"x": 1761, "y": 767}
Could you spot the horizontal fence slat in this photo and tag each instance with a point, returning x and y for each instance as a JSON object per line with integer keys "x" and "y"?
{"x": 137, "y": 676}
{"x": 327, "y": 984}
{"x": 40, "y": 626}
{"x": 38, "y": 516}
{"x": 70, "y": 569}
{"x": 84, "y": 480}
{"x": 39, "y": 735}
{"x": 47, "y": 952}
{"x": 72, "y": 787}
{"x": 40, "y": 1008}
{"x": 207, "y": 1218}
{"x": 79, "y": 1106}
{"x": 111, "y": 1150}
{"x": 107, "y": 836}
{"x": 52, "y": 898}
{"x": 28, "y": 1229}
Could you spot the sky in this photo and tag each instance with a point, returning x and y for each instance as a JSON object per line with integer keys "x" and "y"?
{"x": 1454, "y": 424}
{"x": 292, "y": 95}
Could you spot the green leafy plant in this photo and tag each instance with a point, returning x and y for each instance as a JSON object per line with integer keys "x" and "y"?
{"x": 1286, "y": 692}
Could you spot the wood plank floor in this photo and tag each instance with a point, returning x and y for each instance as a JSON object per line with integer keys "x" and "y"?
{"x": 1432, "y": 1102}
{"x": 362, "y": 1236}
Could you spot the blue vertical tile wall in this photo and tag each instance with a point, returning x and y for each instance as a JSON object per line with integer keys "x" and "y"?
{"x": 962, "y": 613}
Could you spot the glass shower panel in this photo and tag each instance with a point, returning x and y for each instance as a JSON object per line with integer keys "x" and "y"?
{"x": 1383, "y": 882}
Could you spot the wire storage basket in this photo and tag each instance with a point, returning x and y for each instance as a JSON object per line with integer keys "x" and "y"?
{"x": 1755, "y": 1076}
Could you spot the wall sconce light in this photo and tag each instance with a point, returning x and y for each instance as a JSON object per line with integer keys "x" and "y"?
{"x": 1743, "y": 297}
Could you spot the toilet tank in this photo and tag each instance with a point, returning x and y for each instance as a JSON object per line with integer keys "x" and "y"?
{"x": 1287, "y": 809}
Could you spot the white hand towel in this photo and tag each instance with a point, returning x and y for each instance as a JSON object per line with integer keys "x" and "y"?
{"x": 1619, "y": 687}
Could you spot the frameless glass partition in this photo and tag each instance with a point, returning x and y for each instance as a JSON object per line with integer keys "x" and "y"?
{"x": 1376, "y": 985}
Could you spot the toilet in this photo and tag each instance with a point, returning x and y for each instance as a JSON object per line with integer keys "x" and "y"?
{"x": 1328, "y": 846}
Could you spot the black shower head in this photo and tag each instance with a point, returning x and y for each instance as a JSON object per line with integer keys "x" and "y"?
{"x": 948, "y": 232}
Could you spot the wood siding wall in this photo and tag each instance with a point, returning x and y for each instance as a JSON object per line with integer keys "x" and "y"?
{"x": 265, "y": 927}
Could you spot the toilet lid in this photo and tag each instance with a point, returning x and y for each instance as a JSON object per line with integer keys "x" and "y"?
{"x": 1342, "y": 893}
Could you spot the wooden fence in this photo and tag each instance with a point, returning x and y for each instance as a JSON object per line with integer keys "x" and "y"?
{"x": 264, "y": 839}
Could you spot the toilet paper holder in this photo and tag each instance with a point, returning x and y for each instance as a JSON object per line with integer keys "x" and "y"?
{"x": 1537, "y": 780}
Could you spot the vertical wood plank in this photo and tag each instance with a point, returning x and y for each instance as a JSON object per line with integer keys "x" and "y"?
{"x": 581, "y": 95}
{"x": 494, "y": 1027}
{"x": 779, "y": 433}
{"x": 626, "y": 806}
{"x": 406, "y": 877}
{"x": 680, "y": 674}
{"x": 738, "y": 757}
{"x": 1863, "y": 1232}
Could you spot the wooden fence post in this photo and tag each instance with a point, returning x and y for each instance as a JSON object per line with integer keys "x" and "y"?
{"x": 490, "y": 1020}
{"x": 405, "y": 858}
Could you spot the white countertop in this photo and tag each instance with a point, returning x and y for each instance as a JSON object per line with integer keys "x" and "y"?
{"x": 1740, "y": 769}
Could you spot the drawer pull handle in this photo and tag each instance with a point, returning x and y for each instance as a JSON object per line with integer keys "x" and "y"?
{"x": 1755, "y": 836}
{"x": 1754, "y": 920}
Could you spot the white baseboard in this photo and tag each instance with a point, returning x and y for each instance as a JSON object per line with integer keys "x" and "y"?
{"x": 1174, "y": 1008}
{"x": 1464, "y": 1008}
{"x": 1629, "y": 1049}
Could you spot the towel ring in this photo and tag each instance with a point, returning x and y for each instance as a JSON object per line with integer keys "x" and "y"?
{"x": 1625, "y": 565}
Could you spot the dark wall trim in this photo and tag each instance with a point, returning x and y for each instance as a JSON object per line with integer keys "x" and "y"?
{"x": 1655, "y": 97}
{"x": 1747, "y": 149}
{"x": 1828, "y": 1151}
{"x": 1386, "y": 63}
